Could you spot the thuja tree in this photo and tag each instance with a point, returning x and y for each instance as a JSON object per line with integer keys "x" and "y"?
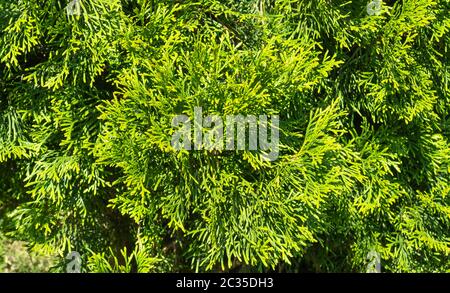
{"x": 88, "y": 93}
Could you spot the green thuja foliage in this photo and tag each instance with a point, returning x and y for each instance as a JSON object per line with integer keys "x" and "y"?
{"x": 87, "y": 97}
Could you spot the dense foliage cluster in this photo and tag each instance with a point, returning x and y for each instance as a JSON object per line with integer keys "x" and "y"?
{"x": 86, "y": 103}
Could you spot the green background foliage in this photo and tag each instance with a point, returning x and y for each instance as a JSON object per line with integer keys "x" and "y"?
{"x": 86, "y": 103}
{"x": 15, "y": 258}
